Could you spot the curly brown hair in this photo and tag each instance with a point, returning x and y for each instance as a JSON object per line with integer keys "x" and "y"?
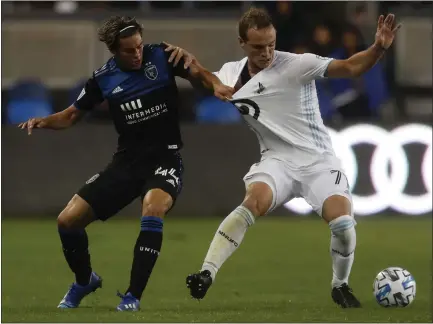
{"x": 109, "y": 32}
{"x": 256, "y": 18}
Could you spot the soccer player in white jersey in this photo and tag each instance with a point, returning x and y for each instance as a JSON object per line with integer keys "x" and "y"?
{"x": 275, "y": 91}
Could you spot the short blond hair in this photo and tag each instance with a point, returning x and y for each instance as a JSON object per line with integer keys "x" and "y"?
{"x": 256, "y": 18}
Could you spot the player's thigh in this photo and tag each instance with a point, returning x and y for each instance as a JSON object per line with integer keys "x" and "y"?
{"x": 76, "y": 215}
{"x": 162, "y": 185}
{"x": 328, "y": 193}
{"x": 268, "y": 186}
{"x": 110, "y": 190}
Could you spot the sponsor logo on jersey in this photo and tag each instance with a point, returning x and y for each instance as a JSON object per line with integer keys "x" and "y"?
{"x": 132, "y": 105}
{"x": 135, "y": 113}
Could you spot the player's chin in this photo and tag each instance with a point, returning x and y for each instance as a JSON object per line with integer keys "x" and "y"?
{"x": 135, "y": 65}
{"x": 264, "y": 64}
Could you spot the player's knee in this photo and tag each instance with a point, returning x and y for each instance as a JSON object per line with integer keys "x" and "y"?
{"x": 336, "y": 206}
{"x": 156, "y": 203}
{"x": 256, "y": 206}
{"x": 155, "y": 209}
{"x": 258, "y": 198}
{"x": 76, "y": 215}
{"x": 66, "y": 220}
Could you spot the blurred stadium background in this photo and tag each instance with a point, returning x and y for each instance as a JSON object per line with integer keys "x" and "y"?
{"x": 381, "y": 126}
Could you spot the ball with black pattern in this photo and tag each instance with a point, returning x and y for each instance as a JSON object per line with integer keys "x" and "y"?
{"x": 394, "y": 287}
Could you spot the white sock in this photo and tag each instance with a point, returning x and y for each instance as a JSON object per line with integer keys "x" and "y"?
{"x": 227, "y": 239}
{"x": 343, "y": 243}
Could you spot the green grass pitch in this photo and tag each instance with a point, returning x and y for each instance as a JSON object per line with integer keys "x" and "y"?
{"x": 280, "y": 273}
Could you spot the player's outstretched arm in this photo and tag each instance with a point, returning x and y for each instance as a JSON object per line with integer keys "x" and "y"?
{"x": 89, "y": 97}
{"x": 60, "y": 120}
{"x": 210, "y": 81}
{"x": 195, "y": 72}
{"x": 361, "y": 62}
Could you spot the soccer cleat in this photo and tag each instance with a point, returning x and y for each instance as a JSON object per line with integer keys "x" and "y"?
{"x": 344, "y": 297}
{"x": 76, "y": 293}
{"x": 199, "y": 283}
{"x": 128, "y": 304}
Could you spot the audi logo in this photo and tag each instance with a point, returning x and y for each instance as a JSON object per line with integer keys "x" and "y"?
{"x": 388, "y": 151}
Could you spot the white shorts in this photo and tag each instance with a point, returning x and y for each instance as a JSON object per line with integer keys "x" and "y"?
{"x": 315, "y": 184}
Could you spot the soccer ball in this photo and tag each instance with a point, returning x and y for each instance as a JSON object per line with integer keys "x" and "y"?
{"x": 394, "y": 287}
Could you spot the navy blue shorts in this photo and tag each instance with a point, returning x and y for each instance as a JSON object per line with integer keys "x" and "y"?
{"x": 127, "y": 178}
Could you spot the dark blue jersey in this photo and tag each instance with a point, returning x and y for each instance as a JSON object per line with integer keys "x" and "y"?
{"x": 143, "y": 103}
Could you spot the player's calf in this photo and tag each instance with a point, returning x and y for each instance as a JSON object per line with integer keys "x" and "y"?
{"x": 71, "y": 225}
{"x": 337, "y": 212}
{"x": 229, "y": 235}
{"x": 156, "y": 203}
{"x": 227, "y": 239}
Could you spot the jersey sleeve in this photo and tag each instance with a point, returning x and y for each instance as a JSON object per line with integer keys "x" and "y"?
{"x": 177, "y": 70}
{"x": 218, "y": 74}
{"x": 312, "y": 67}
{"x": 90, "y": 96}
{"x": 223, "y": 73}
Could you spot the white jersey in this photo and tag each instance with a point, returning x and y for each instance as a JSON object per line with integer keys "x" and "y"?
{"x": 280, "y": 105}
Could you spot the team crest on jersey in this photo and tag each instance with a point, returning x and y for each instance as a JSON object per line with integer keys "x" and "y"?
{"x": 151, "y": 72}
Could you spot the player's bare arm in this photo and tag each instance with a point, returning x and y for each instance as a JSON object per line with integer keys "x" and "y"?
{"x": 361, "y": 62}
{"x": 61, "y": 120}
{"x": 89, "y": 97}
{"x": 198, "y": 73}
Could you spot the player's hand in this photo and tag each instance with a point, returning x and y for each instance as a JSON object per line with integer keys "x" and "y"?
{"x": 177, "y": 53}
{"x": 386, "y": 31}
{"x": 223, "y": 92}
{"x": 33, "y": 123}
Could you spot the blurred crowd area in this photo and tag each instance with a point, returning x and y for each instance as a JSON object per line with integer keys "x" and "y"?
{"x": 332, "y": 29}
{"x": 69, "y": 7}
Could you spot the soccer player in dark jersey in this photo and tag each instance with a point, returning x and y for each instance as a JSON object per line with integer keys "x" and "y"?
{"x": 138, "y": 83}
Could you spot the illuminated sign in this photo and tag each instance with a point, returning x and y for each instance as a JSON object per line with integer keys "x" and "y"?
{"x": 388, "y": 186}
